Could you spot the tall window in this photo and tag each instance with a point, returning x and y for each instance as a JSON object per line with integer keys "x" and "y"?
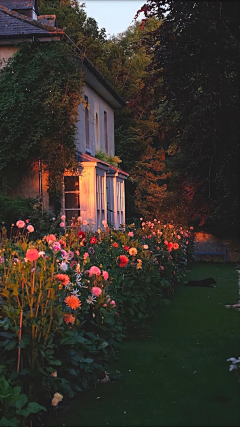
{"x": 120, "y": 202}
{"x": 71, "y": 197}
{"x": 86, "y": 121}
{"x": 97, "y": 132}
{"x": 105, "y": 131}
{"x": 100, "y": 199}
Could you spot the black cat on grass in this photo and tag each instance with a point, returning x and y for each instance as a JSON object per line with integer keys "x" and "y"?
{"x": 206, "y": 283}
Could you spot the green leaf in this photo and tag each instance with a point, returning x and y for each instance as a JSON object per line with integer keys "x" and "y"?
{"x": 11, "y": 345}
{"x": 23, "y": 412}
{"x": 9, "y": 423}
{"x": 72, "y": 371}
{"x": 88, "y": 360}
{"x": 21, "y": 401}
{"x": 55, "y": 362}
{"x": 34, "y": 407}
{"x": 103, "y": 345}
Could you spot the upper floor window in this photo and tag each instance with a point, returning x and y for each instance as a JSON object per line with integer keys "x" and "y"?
{"x": 86, "y": 120}
{"x": 97, "y": 132}
{"x": 106, "y": 131}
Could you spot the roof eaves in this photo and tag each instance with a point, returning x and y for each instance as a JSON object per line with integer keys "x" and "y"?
{"x": 88, "y": 64}
{"x": 82, "y": 156}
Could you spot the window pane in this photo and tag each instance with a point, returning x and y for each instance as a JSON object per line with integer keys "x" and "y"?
{"x": 98, "y": 192}
{"x": 71, "y": 183}
{"x": 72, "y": 201}
{"x": 70, "y": 215}
{"x": 102, "y": 191}
{"x": 106, "y": 131}
{"x": 86, "y": 122}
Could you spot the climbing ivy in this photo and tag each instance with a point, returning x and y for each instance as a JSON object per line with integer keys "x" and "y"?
{"x": 40, "y": 90}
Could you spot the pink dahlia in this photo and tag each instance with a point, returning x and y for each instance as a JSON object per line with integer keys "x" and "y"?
{"x": 105, "y": 275}
{"x": 94, "y": 270}
{"x": 20, "y": 224}
{"x": 96, "y": 291}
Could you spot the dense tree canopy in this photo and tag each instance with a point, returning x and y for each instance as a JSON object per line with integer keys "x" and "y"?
{"x": 195, "y": 76}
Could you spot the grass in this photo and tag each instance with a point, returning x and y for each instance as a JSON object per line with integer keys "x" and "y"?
{"x": 176, "y": 374}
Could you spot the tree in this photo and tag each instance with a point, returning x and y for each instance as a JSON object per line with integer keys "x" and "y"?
{"x": 195, "y": 76}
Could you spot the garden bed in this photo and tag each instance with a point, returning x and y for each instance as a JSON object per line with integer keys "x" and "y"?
{"x": 68, "y": 301}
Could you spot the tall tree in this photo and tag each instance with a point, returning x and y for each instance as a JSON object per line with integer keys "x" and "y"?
{"x": 195, "y": 76}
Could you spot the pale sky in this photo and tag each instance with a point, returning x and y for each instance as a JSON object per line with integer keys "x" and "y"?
{"x": 113, "y": 15}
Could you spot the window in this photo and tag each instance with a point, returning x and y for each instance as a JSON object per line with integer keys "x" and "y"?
{"x": 97, "y": 132}
{"x": 105, "y": 132}
{"x": 86, "y": 121}
{"x": 120, "y": 202}
{"x": 100, "y": 184}
{"x": 71, "y": 197}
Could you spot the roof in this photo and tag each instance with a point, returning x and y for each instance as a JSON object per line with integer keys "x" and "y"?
{"x": 93, "y": 76}
{"x": 13, "y": 25}
{"x": 20, "y": 4}
{"x": 82, "y": 157}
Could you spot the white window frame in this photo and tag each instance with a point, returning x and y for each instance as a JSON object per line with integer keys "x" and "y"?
{"x": 100, "y": 198}
{"x": 71, "y": 192}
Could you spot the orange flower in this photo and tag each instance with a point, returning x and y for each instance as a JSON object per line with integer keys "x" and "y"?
{"x": 170, "y": 226}
{"x": 73, "y": 302}
{"x": 68, "y": 318}
{"x": 175, "y": 245}
{"x": 115, "y": 245}
{"x": 32, "y": 254}
{"x": 123, "y": 260}
{"x": 63, "y": 278}
{"x": 133, "y": 251}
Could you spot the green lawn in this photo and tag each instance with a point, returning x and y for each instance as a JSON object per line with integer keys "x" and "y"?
{"x": 177, "y": 374}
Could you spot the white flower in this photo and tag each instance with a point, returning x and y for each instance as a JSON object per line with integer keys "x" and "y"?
{"x": 41, "y": 253}
{"x": 91, "y": 299}
{"x": 63, "y": 266}
{"x": 75, "y": 292}
{"x": 234, "y": 363}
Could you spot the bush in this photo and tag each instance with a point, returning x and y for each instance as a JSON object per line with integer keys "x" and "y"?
{"x": 13, "y": 209}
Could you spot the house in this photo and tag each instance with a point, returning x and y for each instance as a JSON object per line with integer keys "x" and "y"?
{"x": 97, "y": 191}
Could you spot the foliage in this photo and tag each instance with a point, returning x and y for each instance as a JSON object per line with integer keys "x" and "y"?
{"x": 65, "y": 303}
{"x": 45, "y": 84}
{"x": 13, "y": 209}
{"x": 82, "y": 30}
{"x": 151, "y": 182}
{"x": 112, "y": 160}
{"x": 15, "y": 407}
{"x": 195, "y": 76}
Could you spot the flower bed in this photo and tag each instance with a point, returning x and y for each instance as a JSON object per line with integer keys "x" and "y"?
{"x": 67, "y": 302}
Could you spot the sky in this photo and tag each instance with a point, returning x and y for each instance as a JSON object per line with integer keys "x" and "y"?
{"x": 113, "y": 15}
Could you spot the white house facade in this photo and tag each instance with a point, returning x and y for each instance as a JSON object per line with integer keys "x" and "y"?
{"x": 97, "y": 191}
